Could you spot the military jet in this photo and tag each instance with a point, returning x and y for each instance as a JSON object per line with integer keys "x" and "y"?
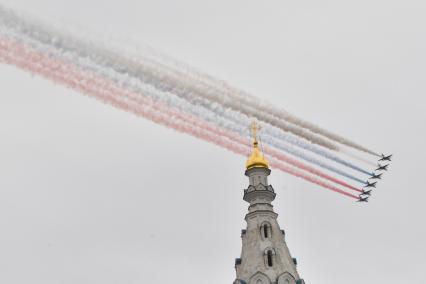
{"x": 382, "y": 168}
{"x": 373, "y": 184}
{"x": 366, "y": 192}
{"x": 363, "y": 199}
{"x": 374, "y": 176}
{"x": 386, "y": 158}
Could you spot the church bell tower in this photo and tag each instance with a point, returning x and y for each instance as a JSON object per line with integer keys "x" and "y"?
{"x": 265, "y": 257}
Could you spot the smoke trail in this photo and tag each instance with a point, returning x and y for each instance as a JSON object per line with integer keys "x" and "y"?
{"x": 192, "y": 76}
{"x": 172, "y": 100}
{"x": 239, "y": 127}
{"x": 313, "y": 180}
{"x": 149, "y": 73}
{"x": 275, "y": 154}
{"x": 349, "y": 154}
{"x": 225, "y": 89}
{"x": 89, "y": 84}
{"x": 273, "y": 136}
{"x": 287, "y": 148}
{"x": 313, "y": 148}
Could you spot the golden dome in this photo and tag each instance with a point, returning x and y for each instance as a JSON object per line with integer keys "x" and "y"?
{"x": 256, "y": 159}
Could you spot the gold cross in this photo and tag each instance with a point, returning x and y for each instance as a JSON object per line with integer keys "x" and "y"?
{"x": 254, "y": 127}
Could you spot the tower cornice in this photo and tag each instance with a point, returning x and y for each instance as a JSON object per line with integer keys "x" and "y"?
{"x": 259, "y": 196}
{"x": 261, "y": 213}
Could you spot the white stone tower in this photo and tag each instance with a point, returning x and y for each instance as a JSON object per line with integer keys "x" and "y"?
{"x": 265, "y": 258}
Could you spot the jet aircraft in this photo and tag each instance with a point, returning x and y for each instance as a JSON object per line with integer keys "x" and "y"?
{"x": 382, "y": 168}
{"x": 374, "y": 176}
{"x": 386, "y": 158}
{"x": 373, "y": 184}
{"x": 362, "y": 199}
{"x": 366, "y": 192}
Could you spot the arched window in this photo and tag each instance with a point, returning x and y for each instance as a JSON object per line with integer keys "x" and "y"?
{"x": 269, "y": 258}
{"x": 266, "y": 230}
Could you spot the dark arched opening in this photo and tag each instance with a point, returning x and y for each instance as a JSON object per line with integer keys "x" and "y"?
{"x": 265, "y": 231}
{"x": 269, "y": 258}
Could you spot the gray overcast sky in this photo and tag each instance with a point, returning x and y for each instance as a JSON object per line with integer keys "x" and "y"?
{"x": 90, "y": 194}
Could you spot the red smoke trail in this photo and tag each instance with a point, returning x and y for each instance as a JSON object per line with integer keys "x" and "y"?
{"x": 106, "y": 91}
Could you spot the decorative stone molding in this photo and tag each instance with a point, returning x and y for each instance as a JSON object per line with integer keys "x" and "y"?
{"x": 286, "y": 278}
{"x": 260, "y": 278}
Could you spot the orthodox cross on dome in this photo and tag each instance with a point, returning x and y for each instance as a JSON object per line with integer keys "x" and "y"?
{"x": 255, "y": 128}
{"x": 256, "y": 158}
